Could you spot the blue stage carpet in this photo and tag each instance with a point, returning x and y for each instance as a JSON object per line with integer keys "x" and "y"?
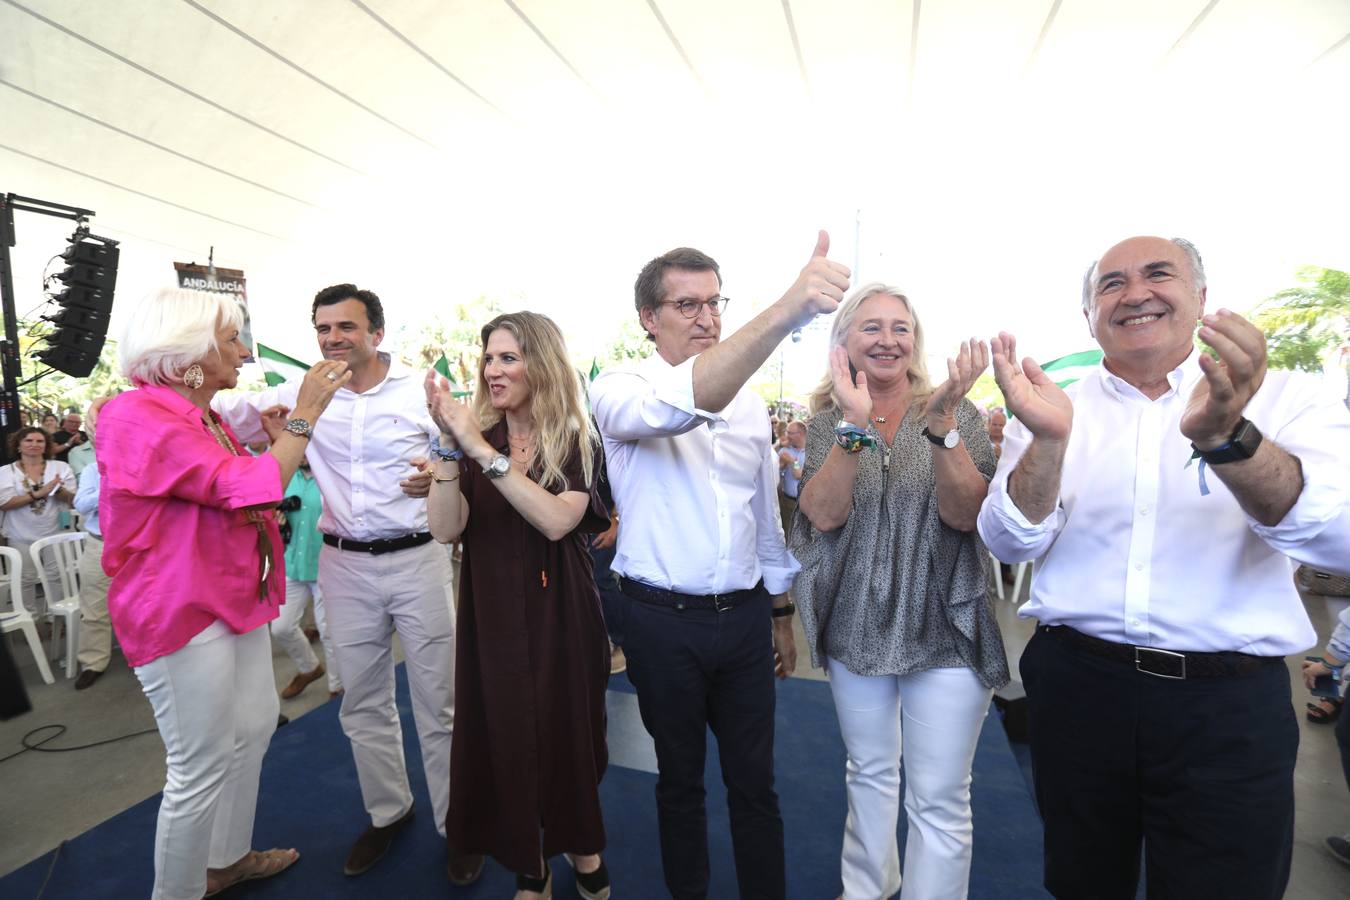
{"x": 310, "y": 800}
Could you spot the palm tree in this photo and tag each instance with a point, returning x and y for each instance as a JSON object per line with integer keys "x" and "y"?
{"x": 1309, "y": 325}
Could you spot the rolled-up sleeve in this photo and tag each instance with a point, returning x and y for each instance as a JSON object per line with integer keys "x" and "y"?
{"x": 1003, "y": 527}
{"x": 1316, "y": 530}
{"x": 651, "y": 402}
{"x": 241, "y": 409}
{"x": 777, "y": 565}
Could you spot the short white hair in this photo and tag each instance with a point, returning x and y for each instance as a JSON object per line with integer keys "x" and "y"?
{"x": 172, "y": 329}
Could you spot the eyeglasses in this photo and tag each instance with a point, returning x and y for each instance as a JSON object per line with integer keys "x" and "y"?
{"x": 690, "y": 309}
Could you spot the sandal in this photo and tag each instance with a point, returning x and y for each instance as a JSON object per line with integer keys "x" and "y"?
{"x": 590, "y": 885}
{"x": 1324, "y": 711}
{"x": 255, "y": 864}
{"x": 541, "y": 886}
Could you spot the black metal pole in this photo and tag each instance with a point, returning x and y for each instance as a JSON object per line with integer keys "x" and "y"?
{"x": 10, "y": 412}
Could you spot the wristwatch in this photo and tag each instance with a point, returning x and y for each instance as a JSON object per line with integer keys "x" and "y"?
{"x": 299, "y": 427}
{"x": 1241, "y": 444}
{"x": 498, "y": 466}
{"x": 948, "y": 440}
{"x": 782, "y": 612}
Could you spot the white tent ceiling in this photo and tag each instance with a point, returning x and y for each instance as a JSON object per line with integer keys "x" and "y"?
{"x": 978, "y": 151}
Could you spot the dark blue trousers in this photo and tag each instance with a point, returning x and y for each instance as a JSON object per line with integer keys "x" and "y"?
{"x": 1197, "y": 772}
{"x": 701, "y": 669}
{"x": 612, "y": 603}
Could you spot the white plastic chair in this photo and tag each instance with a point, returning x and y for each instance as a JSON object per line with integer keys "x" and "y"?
{"x": 63, "y": 597}
{"x": 13, "y": 616}
{"x": 1019, "y": 575}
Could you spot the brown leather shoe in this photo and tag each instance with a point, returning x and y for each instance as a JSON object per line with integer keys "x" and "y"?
{"x": 373, "y": 844}
{"x": 86, "y": 678}
{"x": 301, "y": 681}
{"x": 464, "y": 868}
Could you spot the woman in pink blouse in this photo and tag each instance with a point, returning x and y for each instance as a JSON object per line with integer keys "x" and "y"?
{"x": 191, "y": 543}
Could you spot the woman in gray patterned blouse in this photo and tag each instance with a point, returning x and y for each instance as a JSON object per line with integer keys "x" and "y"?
{"x": 893, "y": 591}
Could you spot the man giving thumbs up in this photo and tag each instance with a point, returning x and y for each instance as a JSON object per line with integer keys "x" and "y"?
{"x": 701, "y": 556}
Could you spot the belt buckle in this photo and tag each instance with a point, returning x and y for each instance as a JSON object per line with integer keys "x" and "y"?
{"x": 1159, "y": 656}
{"x": 722, "y": 603}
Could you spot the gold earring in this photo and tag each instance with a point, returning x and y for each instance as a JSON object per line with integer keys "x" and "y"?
{"x": 194, "y": 377}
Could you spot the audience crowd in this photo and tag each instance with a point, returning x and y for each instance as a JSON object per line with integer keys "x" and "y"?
{"x": 659, "y": 521}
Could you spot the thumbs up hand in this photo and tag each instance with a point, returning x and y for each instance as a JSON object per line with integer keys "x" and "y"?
{"x": 821, "y": 285}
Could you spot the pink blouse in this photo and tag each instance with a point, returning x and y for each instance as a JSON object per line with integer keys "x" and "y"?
{"x": 176, "y": 541}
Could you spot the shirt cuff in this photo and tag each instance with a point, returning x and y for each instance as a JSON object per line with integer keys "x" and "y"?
{"x": 778, "y": 579}
{"x": 1319, "y": 506}
{"x": 253, "y": 481}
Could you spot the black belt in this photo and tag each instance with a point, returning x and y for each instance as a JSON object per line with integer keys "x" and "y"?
{"x": 375, "y": 548}
{"x": 636, "y": 590}
{"x": 1165, "y": 663}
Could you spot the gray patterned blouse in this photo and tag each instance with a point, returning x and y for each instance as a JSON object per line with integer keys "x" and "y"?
{"x": 896, "y": 591}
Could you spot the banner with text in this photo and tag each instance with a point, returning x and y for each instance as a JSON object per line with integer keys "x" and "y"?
{"x": 224, "y": 281}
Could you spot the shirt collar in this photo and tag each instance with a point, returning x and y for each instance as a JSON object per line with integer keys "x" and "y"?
{"x": 1182, "y": 378}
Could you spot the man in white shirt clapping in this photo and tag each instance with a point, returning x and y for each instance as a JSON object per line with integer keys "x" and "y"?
{"x": 1161, "y": 496}
{"x": 701, "y": 554}
{"x": 379, "y": 570}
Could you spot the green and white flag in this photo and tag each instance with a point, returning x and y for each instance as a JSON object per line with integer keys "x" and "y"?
{"x": 278, "y": 367}
{"x": 1068, "y": 369}
{"x": 442, "y": 366}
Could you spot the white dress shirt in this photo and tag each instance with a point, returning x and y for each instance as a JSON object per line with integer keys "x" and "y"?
{"x": 698, "y": 490}
{"x": 360, "y": 450}
{"x": 1135, "y": 553}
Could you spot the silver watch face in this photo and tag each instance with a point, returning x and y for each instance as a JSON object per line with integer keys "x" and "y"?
{"x": 500, "y": 465}
{"x": 952, "y": 438}
{"x": 299, "y": 426}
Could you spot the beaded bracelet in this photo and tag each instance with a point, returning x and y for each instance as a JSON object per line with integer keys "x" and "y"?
{"x": 852, "y": 438}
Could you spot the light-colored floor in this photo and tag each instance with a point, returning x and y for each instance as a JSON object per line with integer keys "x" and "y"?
{"x": 49, "y": 797}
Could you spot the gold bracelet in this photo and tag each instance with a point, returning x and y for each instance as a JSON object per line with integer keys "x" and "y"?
{"x": 439, "y": 480}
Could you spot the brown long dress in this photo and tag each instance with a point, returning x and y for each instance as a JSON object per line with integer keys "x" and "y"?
{"x": 531, "y": 669}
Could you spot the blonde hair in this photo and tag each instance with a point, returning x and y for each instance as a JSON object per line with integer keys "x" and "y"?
{"x": 557, "y": 403}
{"x": 172, "y": 329}
{"x": 823, "y": 397}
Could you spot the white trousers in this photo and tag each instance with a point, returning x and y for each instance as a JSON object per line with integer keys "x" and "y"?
{"x": 367, "y": 599}
{"x": 932, "y": 720}
{"x": 287, "y": 632}
{"x": 216, "y": 705}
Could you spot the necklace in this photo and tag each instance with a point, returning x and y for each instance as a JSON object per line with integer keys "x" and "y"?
{"x": 257, "y": 518}
{"x": 33, "y": 487}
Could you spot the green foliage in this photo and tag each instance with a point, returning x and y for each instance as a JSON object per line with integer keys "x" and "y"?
{"x": 631, "y": 344}
{"x": 454, "y": 332}
{"x": 58, "y": 392}
{"x": 1304, "y": 323}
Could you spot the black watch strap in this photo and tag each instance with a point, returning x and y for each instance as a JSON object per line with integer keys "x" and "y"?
{"x": 781, "y": 612}
{"x": 1241, "y": 445}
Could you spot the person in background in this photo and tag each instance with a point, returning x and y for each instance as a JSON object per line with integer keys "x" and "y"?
{"x": 51, "y": 423}
{"x": 82, "y": 454}
{"x": 791, "y": 464}
{"x": 1334, "y": 658}
{"x": 95, "y": 627}
{"x": 68, "y": 436}
{"x": 192, "y": 547}
{"x": 33, "y": 490}
{"x": 301, "y": 507}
